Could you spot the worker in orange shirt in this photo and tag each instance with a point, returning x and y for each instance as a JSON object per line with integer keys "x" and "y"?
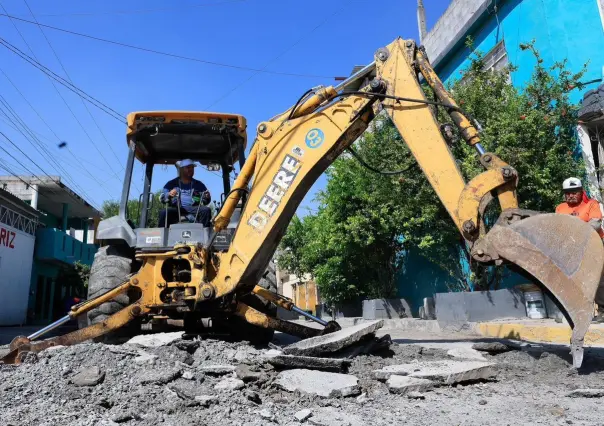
{"x": 588, "y": 210}
{"x": 576, "y": 203}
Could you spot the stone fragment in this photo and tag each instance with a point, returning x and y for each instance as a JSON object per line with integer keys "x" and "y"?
{"x": 265, "y": 413}
{"x": 244, "y": 373}
{"x": 586, "y": 393}
{"x": 319, "y": 383}
{"x": 206, "y": 400}
{"x": 229, "y": 384}
{"x": 145, "y": 358}
{"x": 483, "y": 402}
{"x": 187, "y": 375}
{"x": 466, "y": 353}
{"x": 91, "y": 376}
{"x": 406, "y": 384}
{"x": 155, "y": 340}
{"x": 217, "y": 369}
{"x": 303, "y": 415}
{"x": 312, "y": 363}
{"x": 158, "y": 376}
{"x": 491, "y": 347}
{"x": 447, "y": 372}
{"x": 334, "y": 341}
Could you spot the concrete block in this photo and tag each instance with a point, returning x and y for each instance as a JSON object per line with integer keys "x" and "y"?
{"x": 445, "y": 372}
{"x": 334, "y": 341}
{"x": 329, "y": 385}
{"x": 312, "y": 363}
{"x": 403, "y": 384}
{"x": 375, "y": 309}
{"x": 303, "y": 415}
{"x": 217, "y": 369}
{"x": 155, "y": 340}
{"x": 229, "y": 384}
{"x": 466, "y": 353}
{"x": 453, "y": 309}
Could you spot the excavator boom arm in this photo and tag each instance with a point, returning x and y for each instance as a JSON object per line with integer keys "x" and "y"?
{"x": 294, "y": 149}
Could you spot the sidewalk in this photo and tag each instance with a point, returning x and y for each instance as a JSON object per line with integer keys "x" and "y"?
{"x": 529, "y": 330}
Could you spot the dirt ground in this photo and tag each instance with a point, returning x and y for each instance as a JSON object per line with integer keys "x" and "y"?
{"x": 168, "y": 385}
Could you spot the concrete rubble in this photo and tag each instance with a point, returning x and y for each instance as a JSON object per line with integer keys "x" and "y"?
{"x": 333, "y": 342}
{"x": 491, "y": 347}
{"x": 586, "y": 393}
{"x": 315, "y": 363}
{"x": 174, "y": 379}
{"x": 88, "y": 377}
{"x": 318, "y": 383}
{"x": 405, "y": 384}
{"x": 447, "y": 372}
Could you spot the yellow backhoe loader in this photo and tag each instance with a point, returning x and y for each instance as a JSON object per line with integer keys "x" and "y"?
{"x": 187, "y": 274}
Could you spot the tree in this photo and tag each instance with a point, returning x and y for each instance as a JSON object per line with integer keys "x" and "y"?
{"x": 367, "y": 223}
{"x": 111, "y": 208}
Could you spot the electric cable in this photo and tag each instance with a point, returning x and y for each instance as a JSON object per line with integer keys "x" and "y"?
{"x": 172, "y": 55}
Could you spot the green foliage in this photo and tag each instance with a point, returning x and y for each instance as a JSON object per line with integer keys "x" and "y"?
{"x": 355, "y": 245}
{"x": 75, "y": 276}
{"x": 111, "y": 208}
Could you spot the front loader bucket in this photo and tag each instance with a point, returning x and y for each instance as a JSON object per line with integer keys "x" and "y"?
{"x": 566, "y": 255}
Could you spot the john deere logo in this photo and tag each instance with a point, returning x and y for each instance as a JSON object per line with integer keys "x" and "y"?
{"x": 186, "y": 234}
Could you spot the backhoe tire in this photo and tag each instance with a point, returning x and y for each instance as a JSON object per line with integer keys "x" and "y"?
{"x": 243, "y": 330}
{"x": 111, "y": 266}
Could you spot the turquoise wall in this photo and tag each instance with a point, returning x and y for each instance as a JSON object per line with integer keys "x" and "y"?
{"x": 562, "y": 29}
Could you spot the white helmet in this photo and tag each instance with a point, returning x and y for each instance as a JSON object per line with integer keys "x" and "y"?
{"x": 572, "y": 184}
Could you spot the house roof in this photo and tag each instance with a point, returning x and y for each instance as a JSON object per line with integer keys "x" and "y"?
{"x": 53, "y": 194}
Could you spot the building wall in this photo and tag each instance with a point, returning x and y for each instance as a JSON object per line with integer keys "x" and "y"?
{"x": 562, "y": 29}
{"x": 16, "y": 257}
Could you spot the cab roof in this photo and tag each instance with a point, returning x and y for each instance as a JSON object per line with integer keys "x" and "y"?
{"x": 165, "y": 137}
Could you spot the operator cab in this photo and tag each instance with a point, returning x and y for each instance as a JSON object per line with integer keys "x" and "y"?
{"x": 214, "y": 140}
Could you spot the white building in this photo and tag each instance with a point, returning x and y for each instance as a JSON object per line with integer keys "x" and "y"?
{"x": 18, "y": 223}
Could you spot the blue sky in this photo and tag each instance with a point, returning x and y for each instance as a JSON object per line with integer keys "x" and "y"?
{"x": 316, "y": 38}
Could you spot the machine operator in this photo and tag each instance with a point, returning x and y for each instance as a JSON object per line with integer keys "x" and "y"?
{"x": 185, "y": 197}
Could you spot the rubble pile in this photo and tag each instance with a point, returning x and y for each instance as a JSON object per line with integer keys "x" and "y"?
{"x": 350, "y": 377}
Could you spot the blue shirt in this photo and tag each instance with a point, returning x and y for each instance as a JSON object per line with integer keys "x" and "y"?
{"x": 189, "y": 194}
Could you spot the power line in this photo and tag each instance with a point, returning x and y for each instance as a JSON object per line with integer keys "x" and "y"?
{"x": 71, "y": 81}
{"x": 2, "y": 41}
{"x": 172, "y": 55}
{"x": 276, "y": 58}
{"x": 33, "y": 140}
{"x": 51, "y": 74}
{"x": 74, "y": 164}
{"x": 137, "y": 11}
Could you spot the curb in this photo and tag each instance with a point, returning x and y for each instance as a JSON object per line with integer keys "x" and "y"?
{"x": 542, "y": 333}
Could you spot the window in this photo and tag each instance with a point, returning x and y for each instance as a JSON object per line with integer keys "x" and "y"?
{"x": 497, "y": 58}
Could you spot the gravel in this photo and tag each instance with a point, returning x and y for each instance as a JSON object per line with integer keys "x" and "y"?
{"x": 528, "y": 388}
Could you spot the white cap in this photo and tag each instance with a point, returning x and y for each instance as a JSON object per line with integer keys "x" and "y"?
{"x": 186, "y": 162}
{"x": 572, "y": 184}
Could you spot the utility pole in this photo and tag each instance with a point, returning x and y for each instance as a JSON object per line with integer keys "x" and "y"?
{"x": 421, "y": 20}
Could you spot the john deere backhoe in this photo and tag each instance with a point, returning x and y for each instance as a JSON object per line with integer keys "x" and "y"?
{"x": 189, "y": 273}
